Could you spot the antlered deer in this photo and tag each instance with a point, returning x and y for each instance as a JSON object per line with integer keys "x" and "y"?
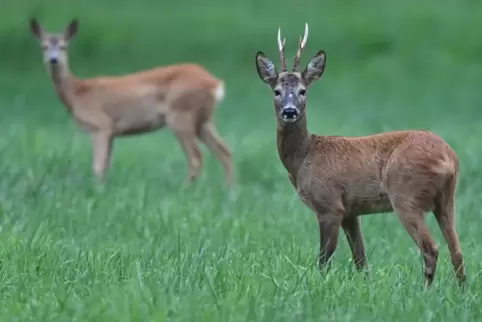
{"x": 182, "y": 97}
{"x": 340, "y": 178}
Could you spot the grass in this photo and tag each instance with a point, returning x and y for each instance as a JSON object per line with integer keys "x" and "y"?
{"x": 142, "y": 249}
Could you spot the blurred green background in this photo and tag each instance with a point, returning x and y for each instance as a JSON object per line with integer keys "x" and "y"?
{"x": 380, "y": 53}
{"x": 140, "y": 248}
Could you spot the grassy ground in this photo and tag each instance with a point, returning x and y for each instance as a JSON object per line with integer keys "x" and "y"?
{"x": 142, "y": 249}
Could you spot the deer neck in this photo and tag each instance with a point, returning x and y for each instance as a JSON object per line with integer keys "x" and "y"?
{"x": 293, "y": 144}
{"x": 64, "y": 83}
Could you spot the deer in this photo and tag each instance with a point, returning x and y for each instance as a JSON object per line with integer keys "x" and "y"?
{"x": 181, "y": 97}
{"x": 342, "y": 178}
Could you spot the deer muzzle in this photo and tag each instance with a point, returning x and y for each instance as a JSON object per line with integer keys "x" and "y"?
{"x": 53, "y": 56}
{"x": 290, "y": 113}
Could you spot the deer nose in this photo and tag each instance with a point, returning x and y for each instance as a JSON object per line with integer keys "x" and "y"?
{"x": 53, "y": 60}
{"x": 290, "y": 111}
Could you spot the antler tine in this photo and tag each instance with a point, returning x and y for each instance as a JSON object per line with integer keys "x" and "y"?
{"x": 281, "y": 46}
{"x": 305, "y": 36}
{"x": 301, "y": 45}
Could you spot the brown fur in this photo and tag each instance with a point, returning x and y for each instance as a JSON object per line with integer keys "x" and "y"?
{"x": 182, "y": 97}
{"x": 340, "y": 178}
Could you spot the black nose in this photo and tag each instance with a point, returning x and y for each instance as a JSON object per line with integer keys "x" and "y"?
{"x": 290, "y": 112}
{"x": 54, "y": 60}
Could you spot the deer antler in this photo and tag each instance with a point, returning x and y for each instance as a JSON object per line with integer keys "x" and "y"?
{"x": 302, "y": 45}
{"x": 281, "y": 45}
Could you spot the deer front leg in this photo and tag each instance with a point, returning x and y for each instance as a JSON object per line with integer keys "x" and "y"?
{"x": 329, "y": 231}
{"x": 102, "y": 150}
{"x": 352, "y": 228}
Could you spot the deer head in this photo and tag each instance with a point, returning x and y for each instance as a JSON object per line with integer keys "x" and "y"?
{"x": 290, "y": 88}
{"x": 54, "y": 45}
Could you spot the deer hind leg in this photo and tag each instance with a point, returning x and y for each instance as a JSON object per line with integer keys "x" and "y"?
{"x": 187, "y": 139}
{"x": 412, "y": 191}
{"x": 444, "y": 212}
{"x": 413, "y": 221}
{"x": 354, "y": 235}
{"x": 182, "y": 120}
{"x": 102, "y": 151}
{"x": 210, "y": 136}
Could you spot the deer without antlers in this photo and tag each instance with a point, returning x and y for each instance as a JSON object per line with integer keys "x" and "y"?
{"x": 340, "y": 178}
{"x": 182, "y": 97}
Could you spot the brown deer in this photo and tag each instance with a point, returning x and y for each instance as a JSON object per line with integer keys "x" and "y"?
{"x": 182, "y": 97}
{"x": 340, "y": 178}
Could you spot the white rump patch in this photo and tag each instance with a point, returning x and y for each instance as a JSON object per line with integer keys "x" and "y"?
{"x": 219, "y": 92}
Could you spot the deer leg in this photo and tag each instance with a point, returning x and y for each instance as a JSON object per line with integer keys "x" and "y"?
{"x": 102, "y": 150}
{"x": 354, "y": 235}
{"x": 329, "y": 231}
{"x": 187, "y": 139}
{"x": 416, "y": 228}
{"x": 445, "y": 214}
{"x": 210, "y": 136}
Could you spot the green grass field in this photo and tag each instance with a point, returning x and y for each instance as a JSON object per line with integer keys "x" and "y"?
{"x": 140, "y": 248}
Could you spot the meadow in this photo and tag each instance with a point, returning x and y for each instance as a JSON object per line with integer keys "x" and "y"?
{"x": 142, "y": 248}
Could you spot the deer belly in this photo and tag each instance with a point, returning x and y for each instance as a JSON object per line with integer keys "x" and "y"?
{"x": 139, "y": 119}
{"x": 368, "y": 203}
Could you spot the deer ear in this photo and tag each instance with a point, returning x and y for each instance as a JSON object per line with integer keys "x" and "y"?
{"x": 266, "y": 69}
{"x": 315, "y": 68}
{"x": 71, "y": 30}
{"x": 36, "y": 29}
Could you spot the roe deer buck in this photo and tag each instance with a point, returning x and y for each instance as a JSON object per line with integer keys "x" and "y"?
{"x": 182, "y": 97}
{"x": 340, "y": 178}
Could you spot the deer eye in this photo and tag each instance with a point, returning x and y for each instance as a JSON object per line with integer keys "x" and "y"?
{"x": 277, "y": 93}
{"x": 302, "y": 92}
